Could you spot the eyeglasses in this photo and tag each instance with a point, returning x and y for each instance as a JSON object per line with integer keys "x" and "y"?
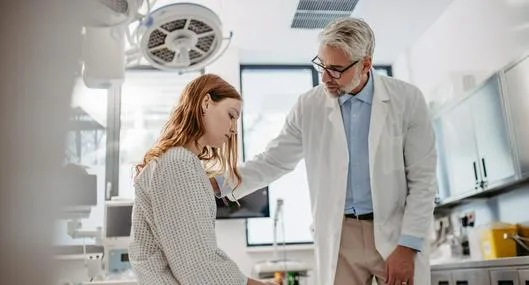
{"x": 334, "y": 73}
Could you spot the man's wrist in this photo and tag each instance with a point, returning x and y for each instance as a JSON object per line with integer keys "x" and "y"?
{"x": 407, "y": 249}
{"x": 412, "y": 242}
{"x": 216, "y": 187}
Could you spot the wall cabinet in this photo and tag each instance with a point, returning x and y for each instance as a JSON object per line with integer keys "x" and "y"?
{"x": 475, "y": 147}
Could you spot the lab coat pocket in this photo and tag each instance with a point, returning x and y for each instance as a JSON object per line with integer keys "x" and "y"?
{"x": 389, "y": 232}
{"x": 392, "y": 152}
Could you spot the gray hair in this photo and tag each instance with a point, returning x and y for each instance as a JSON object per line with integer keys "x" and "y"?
{"x": 352, "y": 35}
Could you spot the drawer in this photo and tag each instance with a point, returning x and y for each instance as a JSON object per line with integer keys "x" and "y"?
{"x": 441, "y": 278}
{"x": 523, "y": 274}
{"x": 504, "y": 277}
{"x": 471, "y": 277}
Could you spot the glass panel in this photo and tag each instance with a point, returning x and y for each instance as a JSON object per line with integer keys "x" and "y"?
{"x": 494, "y": 148}
{"x": 457, "y": 131}
{"x": 264, "y": 113}
{"x": 86, "y": 147}
{"x": 147, "y": 100}
{"x": 517, "y": 88}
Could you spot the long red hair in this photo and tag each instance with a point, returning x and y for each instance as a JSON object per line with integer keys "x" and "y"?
{"x": 186, "y": 125}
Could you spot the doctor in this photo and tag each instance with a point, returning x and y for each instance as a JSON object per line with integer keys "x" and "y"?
{"x": 369, "y": 150}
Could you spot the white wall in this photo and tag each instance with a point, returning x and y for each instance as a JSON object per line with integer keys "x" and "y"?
{"x": 472, "y": 37}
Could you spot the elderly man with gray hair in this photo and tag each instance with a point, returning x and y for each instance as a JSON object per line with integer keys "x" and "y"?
{"x": 370, "y": 155}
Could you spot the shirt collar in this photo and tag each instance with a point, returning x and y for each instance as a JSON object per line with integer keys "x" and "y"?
{"x": 365, "y": 95}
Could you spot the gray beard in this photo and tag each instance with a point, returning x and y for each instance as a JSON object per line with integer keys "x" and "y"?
{"x": 351, "y": 86}
{"x": 331, "y": 95}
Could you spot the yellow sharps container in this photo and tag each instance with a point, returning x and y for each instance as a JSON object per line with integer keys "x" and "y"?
{"x": 494, "y": 243}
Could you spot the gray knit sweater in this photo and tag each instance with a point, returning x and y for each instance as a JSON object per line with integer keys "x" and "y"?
{"x": 173, "y": 226}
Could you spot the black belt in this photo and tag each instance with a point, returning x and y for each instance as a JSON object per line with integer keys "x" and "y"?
{"x": 366, "y": 217}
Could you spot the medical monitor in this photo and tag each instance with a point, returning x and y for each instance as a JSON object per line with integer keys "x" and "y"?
{"x": 255, "y": 205}
{"x": 118, "y": 219}
{"x": 78, "y": 192}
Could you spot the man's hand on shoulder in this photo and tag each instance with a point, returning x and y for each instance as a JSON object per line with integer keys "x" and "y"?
{"x": 215, "y": 185}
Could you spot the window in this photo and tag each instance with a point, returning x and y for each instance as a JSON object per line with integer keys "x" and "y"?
{"x": 384, "y": 69}
{"x": 147, "y": 99}
{"x": 86, "y": 146}
{"x": 263, "y": 117}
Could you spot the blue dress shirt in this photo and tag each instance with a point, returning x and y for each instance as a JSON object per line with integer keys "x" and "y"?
{"x": 356, "y": 115}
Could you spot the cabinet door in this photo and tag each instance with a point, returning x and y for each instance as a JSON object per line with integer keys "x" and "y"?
{"x": 504, "y": 277}
{"x": 441, "y": 278}
{"x": 471, "y": 277}
{"x": 517, "y": 93}
{"x": 524, "y": 276}
{"x": 495, "y": 158}
{"x": 459, "y": 147}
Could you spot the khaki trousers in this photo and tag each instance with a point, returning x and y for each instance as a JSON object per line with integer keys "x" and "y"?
{"x": 359, "y": 261}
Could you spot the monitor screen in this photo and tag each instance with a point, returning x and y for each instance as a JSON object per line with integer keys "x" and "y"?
{"x": 118, "y": 221}
{"x": 255, "y": 205}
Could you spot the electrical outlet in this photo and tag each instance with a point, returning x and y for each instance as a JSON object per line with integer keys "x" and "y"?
{"x": 94, "y": 265}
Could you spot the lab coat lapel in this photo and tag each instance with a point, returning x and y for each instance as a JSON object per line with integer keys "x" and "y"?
{"x": 379, "y": 113}
{"x": 335, "y": 117}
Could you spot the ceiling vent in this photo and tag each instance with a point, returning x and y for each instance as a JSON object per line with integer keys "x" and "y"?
{"x": 316, "y": 14}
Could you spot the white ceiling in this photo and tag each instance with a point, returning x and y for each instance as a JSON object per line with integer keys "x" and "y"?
{"x": 262, "y": 30}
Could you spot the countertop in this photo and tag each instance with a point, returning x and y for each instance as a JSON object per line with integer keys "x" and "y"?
{"x": 521, "y": 261}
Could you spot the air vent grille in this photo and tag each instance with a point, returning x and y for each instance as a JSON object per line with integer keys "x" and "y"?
{"x": 316, "y": 14}
{"x": 118, "y": 6}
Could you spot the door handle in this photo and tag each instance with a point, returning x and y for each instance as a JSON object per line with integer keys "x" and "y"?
{"x": 475, "y": 174}
{"x": 485, "y": 179}
{"x": 484, "y": 167}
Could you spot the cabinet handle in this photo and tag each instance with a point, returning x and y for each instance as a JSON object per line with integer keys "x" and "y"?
{"x": 475, "y": 171}
{"x": 484, "y": 167}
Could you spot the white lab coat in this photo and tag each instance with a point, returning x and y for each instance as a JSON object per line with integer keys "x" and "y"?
{"x": 402, "y": 160}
